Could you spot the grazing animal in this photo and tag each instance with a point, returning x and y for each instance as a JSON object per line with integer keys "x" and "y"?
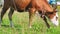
{"x": 32, "y": 6}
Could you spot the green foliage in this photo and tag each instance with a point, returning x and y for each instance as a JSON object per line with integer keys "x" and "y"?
{"x": 58, "y": 0}
{"x": 21, "y": 21}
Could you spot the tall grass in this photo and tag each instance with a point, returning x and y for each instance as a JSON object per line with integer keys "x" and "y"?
{"x": 21, "y": 21}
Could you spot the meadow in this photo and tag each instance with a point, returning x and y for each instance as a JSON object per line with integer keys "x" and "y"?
{"x": 21, "y": 20}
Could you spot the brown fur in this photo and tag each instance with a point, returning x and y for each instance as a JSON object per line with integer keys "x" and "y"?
{"x": 32, "y": 5}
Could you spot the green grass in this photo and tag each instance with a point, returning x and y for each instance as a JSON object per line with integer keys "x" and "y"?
{"x": 21, "y": 21}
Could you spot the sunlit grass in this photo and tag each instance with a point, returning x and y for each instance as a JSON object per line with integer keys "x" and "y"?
{"x": 21, "y": 21}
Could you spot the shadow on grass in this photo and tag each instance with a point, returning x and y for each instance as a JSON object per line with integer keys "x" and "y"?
{"x": 5, "y": 26}
{"x": 15, "y": 26}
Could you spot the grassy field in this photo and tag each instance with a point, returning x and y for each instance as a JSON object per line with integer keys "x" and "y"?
{"x": 21, "y": 21}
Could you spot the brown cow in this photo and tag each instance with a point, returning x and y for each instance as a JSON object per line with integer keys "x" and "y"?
{"x": 32, "y": 6}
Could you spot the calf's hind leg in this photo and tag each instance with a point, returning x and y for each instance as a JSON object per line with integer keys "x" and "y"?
{"x": 4, "y": 9}
{"x": 10, "y": 16}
